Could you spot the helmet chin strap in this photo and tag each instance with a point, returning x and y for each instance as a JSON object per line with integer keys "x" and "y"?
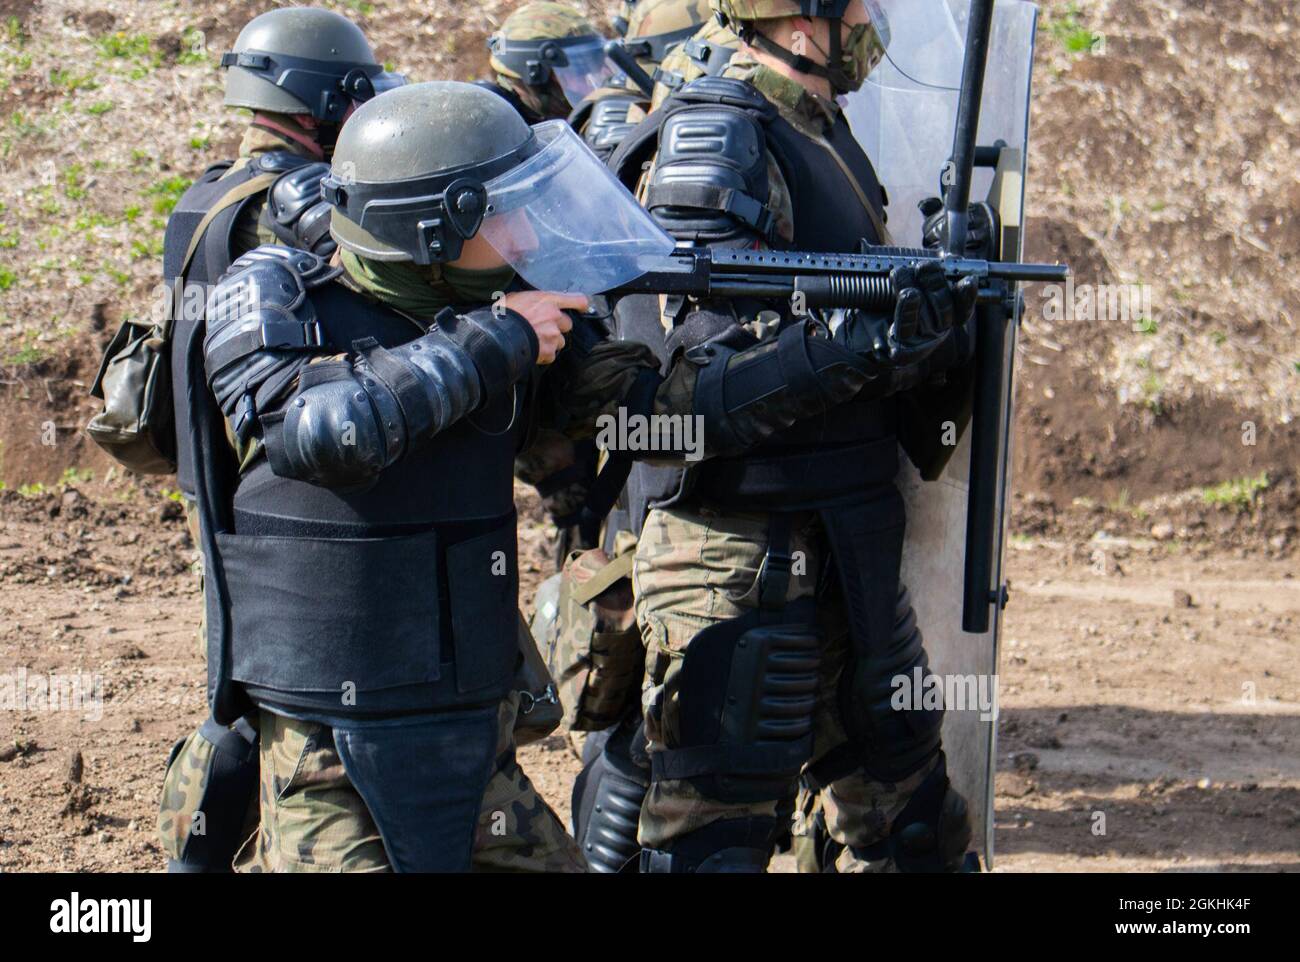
{"x": 831, "y": 71}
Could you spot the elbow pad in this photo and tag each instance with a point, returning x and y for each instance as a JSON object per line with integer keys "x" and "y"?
{"x": 747, "y": 395}
{"x": 351, "y": 419}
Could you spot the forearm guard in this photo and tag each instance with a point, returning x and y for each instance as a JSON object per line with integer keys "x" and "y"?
{"x": 351, "y": 419}
{"x": 746, "y": 395}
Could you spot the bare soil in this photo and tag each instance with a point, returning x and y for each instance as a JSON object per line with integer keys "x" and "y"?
{"x": 1159, "y": 688}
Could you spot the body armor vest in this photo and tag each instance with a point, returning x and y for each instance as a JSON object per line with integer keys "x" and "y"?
{"x": 400, "y": 597}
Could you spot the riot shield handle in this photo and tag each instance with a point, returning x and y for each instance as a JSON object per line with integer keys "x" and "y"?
{"x": 990, "y": 335}
{"x": 957, "y": 197}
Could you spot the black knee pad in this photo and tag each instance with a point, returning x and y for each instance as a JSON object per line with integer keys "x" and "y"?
{"x": 732, "y": 846}
{"x": 607, "y": 796}
{"x": 229, "y": 790}
{"x": 893, "y": 742}
{"x": 748, "y": 690}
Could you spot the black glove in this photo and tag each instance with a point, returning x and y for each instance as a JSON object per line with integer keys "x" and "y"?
{"x": 979, "y": 228}
{"x": 926, "y": 313}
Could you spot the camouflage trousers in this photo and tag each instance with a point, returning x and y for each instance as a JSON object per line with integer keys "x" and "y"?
{"x": 314, "y": 820}
{"x": 696, "y": 567}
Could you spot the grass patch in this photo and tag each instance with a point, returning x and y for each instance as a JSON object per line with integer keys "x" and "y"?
{"x": 1239, "y": 493}
{"x": 1071, "y": 34}
{"x": 100, "y": 107}
{"x": 7, "y": 278}
{"x": 167, "y": 192}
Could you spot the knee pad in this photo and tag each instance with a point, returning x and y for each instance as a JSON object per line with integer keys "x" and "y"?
{"x": 748, "y": 690}
{"x": 932, "y": 833}
{"x": 898, "y": 740}
{"x": 732, "y": 846}
{"x": 607, "y": 797}
{"x": 209, "y": 790}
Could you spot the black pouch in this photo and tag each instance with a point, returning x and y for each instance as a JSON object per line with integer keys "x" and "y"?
{"x": 137, "y": 425}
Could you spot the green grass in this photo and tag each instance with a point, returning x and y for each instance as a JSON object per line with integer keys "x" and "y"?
{"x": 31, "y": 490}
{"x": 7, "y": 278}
{"x": 71, "y": 80}
{"x": 123, "y": 46}
{"x": 1145, "y": 325}
{"x": 167, "y": 192}
{"x": 1072, "y": 35}
{"x": 76, "y": 476}
{"x": 200, "y": 143}
{"x": 73, "y": 182}
{"x": 31, "y": 354}
{"x": 1239, "y": 493}
{"x": 192, "y": 50}
{"x": 100, "y": 107}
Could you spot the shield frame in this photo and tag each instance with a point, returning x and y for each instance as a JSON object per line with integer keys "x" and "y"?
{"x": 936, "y": 510}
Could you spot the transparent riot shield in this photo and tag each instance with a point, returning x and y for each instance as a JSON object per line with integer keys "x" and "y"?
{"x": 904, "y": 117}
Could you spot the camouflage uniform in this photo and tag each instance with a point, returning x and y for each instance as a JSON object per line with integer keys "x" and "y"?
{"x": 679, "y": 67}
{"x": 313, "y": 820}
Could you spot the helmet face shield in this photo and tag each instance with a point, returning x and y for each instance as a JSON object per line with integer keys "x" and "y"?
{"x": 585, "y": 69}
{"x": 924, "y": 46}
{"x": 565, "y": 223}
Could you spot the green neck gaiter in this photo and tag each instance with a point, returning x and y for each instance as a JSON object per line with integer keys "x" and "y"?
{"x": 424, "y": 291}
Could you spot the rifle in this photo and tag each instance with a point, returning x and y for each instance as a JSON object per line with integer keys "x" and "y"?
{"x": 820, "y": 280}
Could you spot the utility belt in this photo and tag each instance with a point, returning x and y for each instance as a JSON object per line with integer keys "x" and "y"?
{"x": 329, "y": 623}
{"x": 796, "y": 478}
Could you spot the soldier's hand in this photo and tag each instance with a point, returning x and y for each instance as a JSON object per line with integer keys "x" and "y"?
{"x": 927, "y": 310}
{"x": 544, "y": 312}
{"x": 934, "y": 230}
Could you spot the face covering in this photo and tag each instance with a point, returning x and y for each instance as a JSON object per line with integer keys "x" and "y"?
{"x": 858, "y": 57}
{"x": 424, "y": 291}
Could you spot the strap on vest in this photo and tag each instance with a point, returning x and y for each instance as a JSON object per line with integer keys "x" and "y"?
{"x": 876, "y": 220}
{"x": 248, "y": 188}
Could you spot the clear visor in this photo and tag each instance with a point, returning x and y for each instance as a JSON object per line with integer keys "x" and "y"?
{"x": 565, "y": 223}
{"x": 586, "y": 69}
{"x": 924, "y": 43}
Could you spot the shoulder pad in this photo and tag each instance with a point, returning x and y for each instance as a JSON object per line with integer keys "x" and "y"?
{"x": 710, "y": 181}
{"x": 262, "y": 303}
{"x": 727, "y": 91}
{"x": 295, "y": 212}
{"x": 275, "y": 161}
{"x": 608, "y": 124}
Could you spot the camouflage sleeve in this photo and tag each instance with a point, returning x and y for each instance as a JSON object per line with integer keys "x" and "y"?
{"x": 583, "y": 386}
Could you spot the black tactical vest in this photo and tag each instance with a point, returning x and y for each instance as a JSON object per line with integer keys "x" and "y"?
{"x": 854, "y": 445}
{"x": 401, "y": 597}
{"x": 212, "y": 257}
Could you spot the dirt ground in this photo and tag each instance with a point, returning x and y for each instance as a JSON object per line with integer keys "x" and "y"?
{"x": 1154, "y": 683}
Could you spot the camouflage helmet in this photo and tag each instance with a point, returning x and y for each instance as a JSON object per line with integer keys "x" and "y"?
{"x": 656, "y": 26}
{"x": 302, "y": 60}
{"x": 544, "y": 40}
{"x": 408, "y": 173}
{"x": 746, "y": 11}
{"x": 847, "y": 65}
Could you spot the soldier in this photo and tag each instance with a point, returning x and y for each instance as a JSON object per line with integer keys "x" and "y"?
{"x": 767, "y": 583}
{"x": 705, "y": 53}
{"x": 655, "y": 29}
{"x": 547, "y": 57}
{"x": 301, "y": 71}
